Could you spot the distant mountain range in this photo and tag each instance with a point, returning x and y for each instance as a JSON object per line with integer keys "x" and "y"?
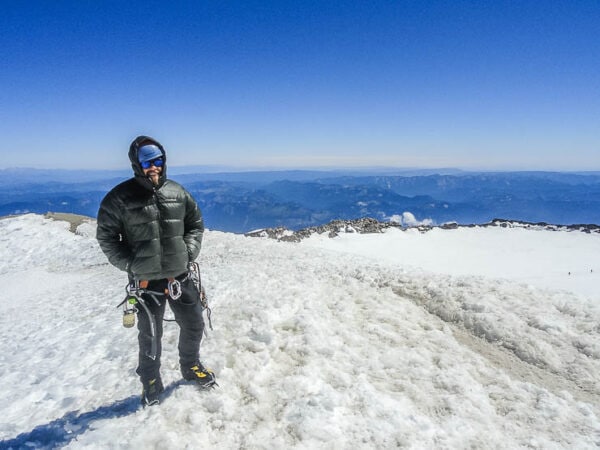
{"x": 244, "y": 201}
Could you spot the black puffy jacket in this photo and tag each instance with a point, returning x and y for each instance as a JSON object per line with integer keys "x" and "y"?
{"x": 152, "y": 232}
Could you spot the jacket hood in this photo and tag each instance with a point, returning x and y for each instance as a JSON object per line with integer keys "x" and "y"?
{"x": 136, "y": 166}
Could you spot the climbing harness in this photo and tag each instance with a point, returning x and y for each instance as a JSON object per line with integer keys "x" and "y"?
{"x": 133, "y": 297}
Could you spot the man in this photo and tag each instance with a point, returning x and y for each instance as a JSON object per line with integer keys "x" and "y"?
{"x": 152, "y": 228}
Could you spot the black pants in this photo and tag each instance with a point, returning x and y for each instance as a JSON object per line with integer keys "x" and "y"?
{"x": 188, "y": 314}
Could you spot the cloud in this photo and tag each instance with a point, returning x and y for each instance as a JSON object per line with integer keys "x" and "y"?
{"x": 408, "y": 219}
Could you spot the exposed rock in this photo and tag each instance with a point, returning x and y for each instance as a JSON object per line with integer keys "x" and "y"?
{"x": 74, "y": 220}
{"x": 370, "y": 225}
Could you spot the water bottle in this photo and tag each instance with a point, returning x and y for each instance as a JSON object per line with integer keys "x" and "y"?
{"x": 129, "y": 311}
{"x": 128, "y": 318}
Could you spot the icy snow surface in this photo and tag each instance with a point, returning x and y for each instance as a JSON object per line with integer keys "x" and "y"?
{"x": 452, "y": 339}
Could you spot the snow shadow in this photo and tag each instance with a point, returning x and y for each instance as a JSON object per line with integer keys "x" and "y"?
{"x": 61, "y": 431}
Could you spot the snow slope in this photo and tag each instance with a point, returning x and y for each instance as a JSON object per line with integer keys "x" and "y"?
{"x": 566, "y": 260}
{"x": 334, "y": 344}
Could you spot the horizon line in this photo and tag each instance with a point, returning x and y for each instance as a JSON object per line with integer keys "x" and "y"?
{"x": 218, "y": 168}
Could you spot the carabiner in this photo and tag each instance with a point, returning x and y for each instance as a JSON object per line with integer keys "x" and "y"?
{"x": 174, "y": 288}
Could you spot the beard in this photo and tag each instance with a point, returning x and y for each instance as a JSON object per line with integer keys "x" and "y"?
{"x": 154, "y": 176}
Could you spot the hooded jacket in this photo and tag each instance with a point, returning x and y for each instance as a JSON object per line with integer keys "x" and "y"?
{"x": 152, "y": 232}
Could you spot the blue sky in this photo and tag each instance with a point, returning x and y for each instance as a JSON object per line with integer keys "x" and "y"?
{"x": 504, "y": 85}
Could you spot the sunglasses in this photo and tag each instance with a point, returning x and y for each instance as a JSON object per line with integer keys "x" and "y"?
{"x": 157, "y": 162}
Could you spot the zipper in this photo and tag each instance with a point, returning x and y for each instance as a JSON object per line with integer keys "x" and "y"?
{"x": 156, "y": 203}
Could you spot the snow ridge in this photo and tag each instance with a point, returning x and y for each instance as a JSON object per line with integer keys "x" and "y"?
{"x": 370, "y": 225}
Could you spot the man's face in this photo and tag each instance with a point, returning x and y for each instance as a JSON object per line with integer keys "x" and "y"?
{"x": 153, "y": 173}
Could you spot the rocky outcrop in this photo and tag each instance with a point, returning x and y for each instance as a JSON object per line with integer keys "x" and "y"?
{"x": 585, "y": 228}
{"x": 370, "y": 225}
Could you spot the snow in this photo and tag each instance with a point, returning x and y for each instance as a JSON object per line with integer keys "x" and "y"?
{"x": 557, "y": 260}
{"x": 467, "y": 338}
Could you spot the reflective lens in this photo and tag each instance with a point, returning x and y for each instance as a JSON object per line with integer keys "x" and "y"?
{"x": 158, "y": 162}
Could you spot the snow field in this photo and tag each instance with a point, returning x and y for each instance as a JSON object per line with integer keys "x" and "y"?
{"x": 313, "y": 348}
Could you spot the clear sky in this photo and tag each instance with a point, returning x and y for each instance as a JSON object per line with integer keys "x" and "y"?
{"x": 469, "y": 84}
